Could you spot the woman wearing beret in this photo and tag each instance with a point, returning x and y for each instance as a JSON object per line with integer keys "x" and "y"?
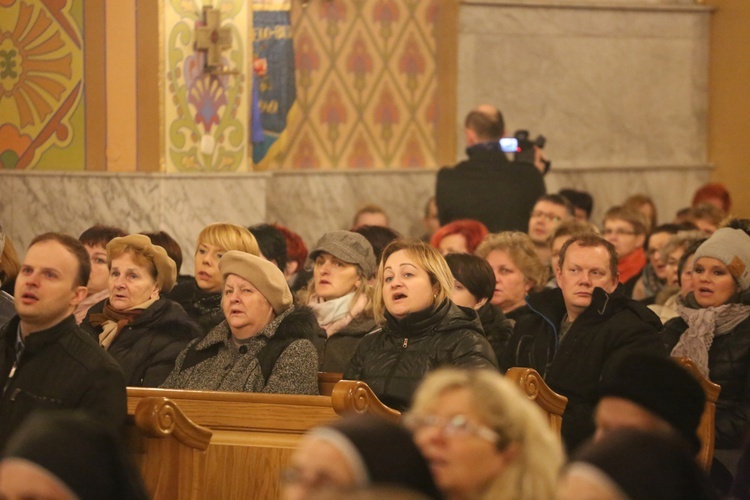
{"x": 201, "y": 298}
{"x": 263, "y": 345}
{"x": 340, "y": 296}
{"x": 421, "y": 327}
{"x": 141, "y": 330}
{"x": 714, "y": 331}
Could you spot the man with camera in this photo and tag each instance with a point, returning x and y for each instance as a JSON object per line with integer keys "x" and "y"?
{"x": 487, "y": 186}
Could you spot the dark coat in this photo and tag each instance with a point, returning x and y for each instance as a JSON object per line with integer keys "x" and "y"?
{"x": 213, "y": 363}
{"x": 147, "y": 348}
{"x": 487, "y": 187}
{"x": 728, "y": 366}
{"x": 203, "y": 308}
{"x": 335, "y": 352}
{"x": 497, "y": 328}
{"x": 612, "y": 327}
{"x": 60, "y": 368}
{"x": 7, "y": 308}
{"x": 394, "y": 359}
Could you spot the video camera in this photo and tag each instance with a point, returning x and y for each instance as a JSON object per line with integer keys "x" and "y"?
{"x": 525, "y": 151}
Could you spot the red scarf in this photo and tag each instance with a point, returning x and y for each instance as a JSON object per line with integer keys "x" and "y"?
{"x": 631, "y": 264}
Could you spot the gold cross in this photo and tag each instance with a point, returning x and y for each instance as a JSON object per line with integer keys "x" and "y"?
{"x": 212, "y": 38}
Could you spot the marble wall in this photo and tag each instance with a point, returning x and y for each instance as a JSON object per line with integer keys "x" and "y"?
{"x": 619, "y": 91}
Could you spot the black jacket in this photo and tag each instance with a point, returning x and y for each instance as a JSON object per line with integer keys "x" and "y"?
{"x": 612, "y": 327}
{"x": 147, "y": 348}
{"x": 497, "y": 328}
{"x": 60, "y": 368}
{"x": 335, "y": 352}
{"x": 204, "y": 308}
{"x": 487, "y": 187}
{"x": 728, "y": 366}
{"x": 393, "y": 360}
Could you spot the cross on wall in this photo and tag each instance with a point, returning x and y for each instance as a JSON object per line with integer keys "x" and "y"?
{"x": 212, "y": 38}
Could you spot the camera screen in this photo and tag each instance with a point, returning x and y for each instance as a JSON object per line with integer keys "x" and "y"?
{"x": 509, "y": 144}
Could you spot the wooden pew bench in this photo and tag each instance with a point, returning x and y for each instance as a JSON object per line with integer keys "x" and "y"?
{"x": 200, "y": 444}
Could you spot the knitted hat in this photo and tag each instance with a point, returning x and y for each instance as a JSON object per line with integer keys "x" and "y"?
{"x": 642, "y": 465}
{"x": 347, "y": 246}
{"x": 379, "y": 453}
{"x": 263, "y": 274}
{"x": 166, "y": 270}
{"x": 86, "y": 457}
{"x": 732, "y": 248}
{"x": 662, "y": 387}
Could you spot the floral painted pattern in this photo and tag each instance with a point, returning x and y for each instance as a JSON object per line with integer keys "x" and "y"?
{"x": 41, "y": 69}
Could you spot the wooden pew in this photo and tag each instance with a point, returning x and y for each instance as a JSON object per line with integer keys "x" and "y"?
{"x": 706, "y": 429}
{"x": 200, "y": 444}
{"x": 533, "y": 385}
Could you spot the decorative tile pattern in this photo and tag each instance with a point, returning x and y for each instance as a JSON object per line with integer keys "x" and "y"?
{"x": 366, "y": 86}
{"x": 41, "y": 71}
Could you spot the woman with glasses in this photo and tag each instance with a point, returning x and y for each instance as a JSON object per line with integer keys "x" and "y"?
{"x": 483, "y": 438}
{"x": 421, "y": 328}
{"x": 518, "y": 270}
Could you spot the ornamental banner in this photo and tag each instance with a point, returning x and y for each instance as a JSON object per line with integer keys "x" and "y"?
{"x": 274, "y": 88}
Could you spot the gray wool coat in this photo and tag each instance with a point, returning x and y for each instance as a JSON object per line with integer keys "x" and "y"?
{"x": 238, "y": 370}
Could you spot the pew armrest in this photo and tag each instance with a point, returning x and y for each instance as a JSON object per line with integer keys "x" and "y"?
{"x": 535, "y": 388}
{"x": 160, "y": 417}
{"x": 356, "y": 396}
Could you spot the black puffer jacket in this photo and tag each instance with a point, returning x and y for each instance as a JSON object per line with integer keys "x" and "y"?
{"x": 612, "y": 327}
{"x": 728, "y": 366}
{"x": 147, "y": 348}
{"x": 497, "y": 328}
{"x": 393, "y": 360}
{"x": 335, "y": 352}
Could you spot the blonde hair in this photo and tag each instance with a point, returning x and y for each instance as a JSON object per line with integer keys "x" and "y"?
{"x": 534, "y": 470}
{"x": 522, "y": 252}
{"x": 426, "y": 258}
{"x": 228, "y": 237}
{"x": 364, "y": 288}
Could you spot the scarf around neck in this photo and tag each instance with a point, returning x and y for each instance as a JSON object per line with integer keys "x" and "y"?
{"x": 334, "y": 315}
{"x": 632, "y": 264}
{"x": 703, "y": 325}
{"x": 112, "y": 321}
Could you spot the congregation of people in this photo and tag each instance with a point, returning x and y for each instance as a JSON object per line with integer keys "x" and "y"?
{"x": 506, "y": 275}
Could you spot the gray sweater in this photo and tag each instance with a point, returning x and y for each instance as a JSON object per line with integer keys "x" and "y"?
{"x": 238, "y": 370}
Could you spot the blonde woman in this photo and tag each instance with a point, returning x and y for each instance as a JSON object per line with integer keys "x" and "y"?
{"x": 483, "y": 438}
{"x": 421, "y": 328}
{"x": 342, "y": 263}
{"x": 518, "y": 270}
{"x": 201, "y": 298}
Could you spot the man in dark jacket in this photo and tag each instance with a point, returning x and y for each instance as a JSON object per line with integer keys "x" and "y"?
{"x": 579, "y": 332}
{"x": 488, "y": 187}
{"x": 46, "y": 361}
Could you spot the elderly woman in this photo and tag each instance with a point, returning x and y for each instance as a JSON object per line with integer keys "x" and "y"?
{"x": 421, "y": 327}
{"x": 483, "y": 438}
{"x": 263, "y": 345}
{"x": 473, "y": 287}
{"x": 201, "y": 298}
{"x": 714, "y": 331}
{"x": 518, "y": 270}
{"x": 338, "y": 293}
{"x": 461, "y": 236}
{"x": 357, "y": 453}
{"x": 141, "y": 330}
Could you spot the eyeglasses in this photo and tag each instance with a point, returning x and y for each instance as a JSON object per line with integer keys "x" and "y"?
{"x": 618, "y": 232}
{"x": 320, "y": 481}
{"x": 548, "y": 216}
{"x": 457, "y": 425}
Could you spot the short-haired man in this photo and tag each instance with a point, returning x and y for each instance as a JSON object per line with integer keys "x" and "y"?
{"x": 487, "y": 187}
{"x": 582, "y": 201}
{"x": 46, "y": 361}
{"x": 651, "y": 393}
{"x": 626, "y": 230}
{"x": 370, "y": 215}
{"x": 576, "y": 333}
{"x": 549, "y": 212}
